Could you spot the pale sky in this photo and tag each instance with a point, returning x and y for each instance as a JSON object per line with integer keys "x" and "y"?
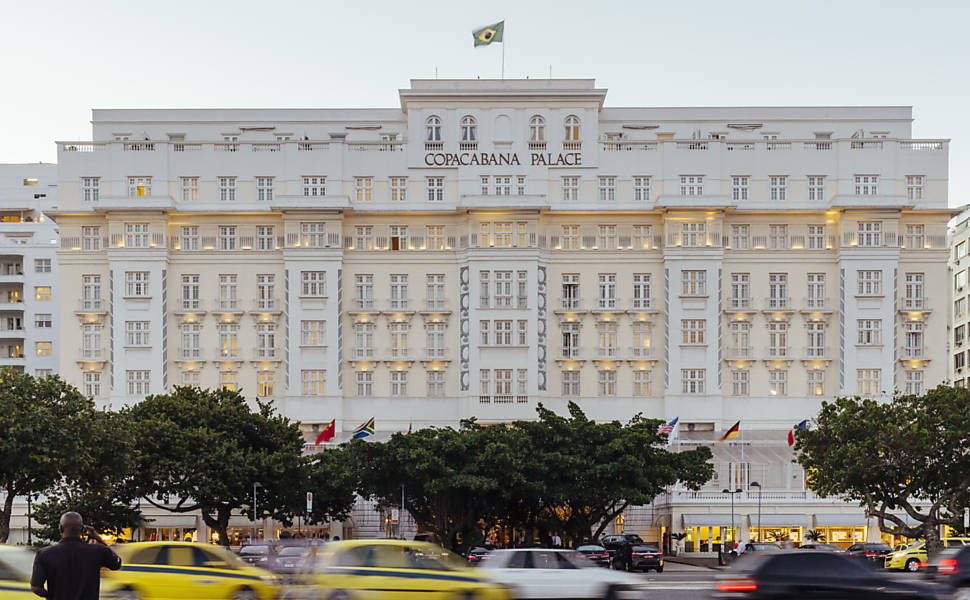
{"x": 59, "y": 59}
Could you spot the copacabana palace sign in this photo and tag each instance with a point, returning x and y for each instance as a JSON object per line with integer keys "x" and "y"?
{"x": 498, "y": 159}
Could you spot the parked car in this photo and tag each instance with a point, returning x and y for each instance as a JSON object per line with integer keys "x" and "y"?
{"x": 873, "y": 553}
{"x": 477, "y": 554}
{"x": 16, "y": 565}
{"x": 258, "y": 555}
{"x": 637, "y": 557}
{"x": 595, "y": 554}
{"x": 288, "y": 559}
{"x": 612, "y": 542}
{"x": 823, "y": 547}
{"x": 546, "y": 573}
{"x": 762, "y": 547}
{"x": 816, "y": 574}
{"x": 913, "y": 555}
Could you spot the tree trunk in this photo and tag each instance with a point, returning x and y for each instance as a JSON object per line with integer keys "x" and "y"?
{"x": 932, "y": 536}
{"x": 5, "y": 514}
{"x": 220, "y": 524}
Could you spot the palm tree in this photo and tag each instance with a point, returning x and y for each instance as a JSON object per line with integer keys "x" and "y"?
{"x": 813, "y": 535}
{"x": 678, "y": 538}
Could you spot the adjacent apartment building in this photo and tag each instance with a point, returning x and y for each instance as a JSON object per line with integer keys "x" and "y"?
{"x": 489, "y": 245}
{"x": 960, "y": 291}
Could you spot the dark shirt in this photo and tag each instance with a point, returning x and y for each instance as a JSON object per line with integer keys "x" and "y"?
{"x": 72, "y": 569}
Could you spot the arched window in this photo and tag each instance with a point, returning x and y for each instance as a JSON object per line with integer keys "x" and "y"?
{"x": 433, "y": 125}
{"x": 572, "y": 128}
{"x": 469, "y": 129}
{"x": 537, "y": 129}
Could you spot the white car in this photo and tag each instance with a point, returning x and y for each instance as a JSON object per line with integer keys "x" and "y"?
{"x": 543, "y": 573}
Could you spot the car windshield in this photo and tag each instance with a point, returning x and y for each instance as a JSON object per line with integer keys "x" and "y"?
{"x": 293, "y": 551}
{"x": 19, "y": 561}
{"x": 254, "y": 550}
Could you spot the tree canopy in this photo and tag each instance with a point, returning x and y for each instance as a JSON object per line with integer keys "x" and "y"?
{"x": 904, "y": 458}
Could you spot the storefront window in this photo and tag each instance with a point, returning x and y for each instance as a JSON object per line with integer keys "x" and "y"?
{"x": 777, "y": 534}
{"x": 842, "y": 536}
{"x": 707, "y": 539}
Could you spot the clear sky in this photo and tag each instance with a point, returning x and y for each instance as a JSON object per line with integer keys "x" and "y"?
{"x": 59, "y": 59}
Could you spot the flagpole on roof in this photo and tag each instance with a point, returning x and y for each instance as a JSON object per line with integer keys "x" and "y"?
{"x": 503, "y": 51}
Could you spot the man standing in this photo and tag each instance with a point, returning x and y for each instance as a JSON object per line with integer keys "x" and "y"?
{"x": 72, "y": 567}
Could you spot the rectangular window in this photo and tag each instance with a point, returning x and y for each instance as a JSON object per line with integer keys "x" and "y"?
{"x": 91, "y": 292}
{"x": 503, "y": 289}
{"x": 364, "y": 340}
{"x": 641, "y": 237}
{"x": 778, "y": 237}
{"x": 399, "y": 340}
{"x": 641, "y": 382}
{"x": 42, "y": 265}
{"x": 641, "y": 339}
{"x": 435, "y": 291}
{"x": 190, "y": 238}
{"x": 138, "y": 382}
{"x": 778, "y": 291}
{"x": 816, "y": 188}
{"x": 503, "y": 185}
{"x": 693, "y": 235}
{"x": 869, "y": 332}
{"x": 363, "y": 188}
{"x": 314, "y": 284}
{"x": 607, "y": 382}
{"x": 520, "y": 185}
{"x": 227, "y": 237}
{"x": 136, "y": 284}
{"x": 607, "y": 189}
{"x": 43, "y": 320}
{"x": 228, "y": 292}
{"x": 264, "y": 189}
{"x": 264, "y": 238}
{"x": 228, "y": 340}
{"x": 91, "y": 238}
{"x": 522, "y": 384}
{"x": 739, "y": 340}
{"x": 314, "y": 382}
{"x": 312, "y": 333}
{"x": 868, "y": 381}
{"x": 91, "y": 340}
{"x": 435, "y": 341}
{"x": 92, "y": 384}
{"x": 570, "y": 340}
{"x": 399, "y": 292}
{"x": 816, "y": 382}
{"x": 915, "y": 237}
{"x": 364, "y": 237}
{"x": 866, "y": 185}
{"x": 436, "y": 189}
{"x": 483, "y": 296}
{"x": 816, "y": 339}
{"x": 522, "y": 289}
{"x": 869, "y": 234}
{"x": 190, "y": 378}
{"x": 436, "y": 384}
{"x": 264, "y": 383}
{"x": 607, "y": 237}
{"x": 503, "y": 235}
{"x": 313, "y": 235}
{"x": 364, "y": 291}
{"x": 739, "y": 383}
{"x": 265, "y": 340}
{"x": 570, "y": 189}
{"x": 190, "y": 189}
{"x": 693, "y": 283}
{"x": 136, "y": 333}
{"x": 641, "y": 189}
{"x": 314, "y": 185}
{"x": 90, "y": 189}
{"x": 191, "y": 335}
{"x": 778, "y": 382}
{"x": 913, "y": 341}
{"x": 44, "y": 348}
{"x": 641, "y": 291}
{"x": 692, "y": 331}
{"x": 399, "y": 237}
{"x": 959, "y": 360}
{"x": 778, "y": 188}
{"x": 139, "y": 187}
{"x": 691, "y": 185}
{"x": 870, "y": 283}
{"x": 959, "y": 335}
{"x": 913, "y": 291}
{"x": 739, "y": 188}
{"x": 740, "y": 291}
{"x": 692, "y": 380}
{"x": 914, "y": 192}
{"x": 778, "y": 340}
{"x": 740, "y": 237}
{"x": 914, "y": 383}
{"x": 227, "y": 189}
{"x": 570, "y": 237}
{"x": 606, "y": 296}
{"x": 399, "y": 384}
{"x": 229, "y": 380}
{"x": 607, "y": 339}
{"x": 399, "y": 189}
{"x": 436, "y": 237}
{"x": 570, "y": 291}
{"x": 522, "y": 229}
{"x": 816, "y": 237}
{"x": 365, "y": 383}
{"x": 570, "y": 383}
{"x": 959, "y": 307}
{"x": 503, "y": 333}
{"x": 483, "y": 332}
{"x": 136, "y": 235}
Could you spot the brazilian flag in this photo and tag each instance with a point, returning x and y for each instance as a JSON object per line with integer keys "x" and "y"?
{"x": 487, "y": 35}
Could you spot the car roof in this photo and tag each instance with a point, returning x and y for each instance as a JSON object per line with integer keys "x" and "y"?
{"x": 533, "y": 550}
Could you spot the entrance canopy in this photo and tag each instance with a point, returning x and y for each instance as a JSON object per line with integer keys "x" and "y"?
{"x": 779, "y": 520}
{"x": 711, "y": 520}
{"x": 840, "y": 520}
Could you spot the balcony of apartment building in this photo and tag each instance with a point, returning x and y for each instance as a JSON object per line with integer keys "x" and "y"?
{"x": 91, "y": 307}
{"x": 737, "y": 304}
{"x": 816, "y": 305}
{"x": 11, "y": 328}
{"x": 12, "y": 355}
{"x": 778, "y": 304}
{"x": 11, "y": 298}
{"x": 915, "y": 308}
{"x": 12, "y": 270}
{"x": 817, "y": 353}
{"x": 92, "y": 354}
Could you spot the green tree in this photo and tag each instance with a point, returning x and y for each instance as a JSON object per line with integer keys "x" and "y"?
{"x": 905, "y": 457}
{"x": 203, "y": 450}
{"x": 46, "y": 437}
{"x": 334, "y": 485}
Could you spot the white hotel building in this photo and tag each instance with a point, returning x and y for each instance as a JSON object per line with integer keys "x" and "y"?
{"x": 490, "y": 245}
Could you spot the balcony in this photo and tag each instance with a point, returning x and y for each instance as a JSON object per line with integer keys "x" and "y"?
{"x": 359, "y": 353}
{"x": 11, "y": 332}
{"x": 816, "y": 353}
{"x": 641, "y": 353}
{"x": 739, "y": 353}
{"x": 92, "y": 355}
{"x": 434, "y": 146}
{"x": 537, "y": 146}
{"x": 643, "y": 303}
{"x": 399, "y": 354}
{"x": 570, "y": 305}
{"x": 778, "y": 304}
{"x": 12, "y": 277}
{"x": 227, "y": 306}
{"x": 572, "y": 146}
{"x": 738, "y": 305}
{"x": 264, "y": 353}
{"x": 432, "y": 354}
{"x": 914, "y": 353}
{"x": 267, "y": 306}
{"x": 607, "y": 353}
{"x": 816, "y": 305}
{"x": 436, "y": 306}
{"x": 189, "y": 307}
{"x": 399, "y": 305}
{"x": 918, "y": 305}
{"x": 91, "y": 306}
{"x": 778, "y": 353}
{"x": 228, "y": 353}
{"x": 364, "y": 305}
{"x": 468, "y": 146}
{"x": 11, "y": 304}
{"x": 569, "y": 353}
{"x": 188, "y": 354}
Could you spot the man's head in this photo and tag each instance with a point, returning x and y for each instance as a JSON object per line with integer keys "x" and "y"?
{"x": 71, "y": 525}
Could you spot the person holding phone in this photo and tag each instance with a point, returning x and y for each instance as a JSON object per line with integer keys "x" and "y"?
{"x": 71, "y": 569}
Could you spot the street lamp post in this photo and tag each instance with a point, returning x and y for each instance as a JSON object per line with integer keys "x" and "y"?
{"x": 758, "y": 485}
{"x": 256, "y": 484}
{"x": 727, "y": 491}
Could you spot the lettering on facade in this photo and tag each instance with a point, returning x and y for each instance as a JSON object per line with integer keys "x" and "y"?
{"x": 498, "y": 159}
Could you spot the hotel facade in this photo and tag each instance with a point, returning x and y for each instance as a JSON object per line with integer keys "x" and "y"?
{"x": 490, "y": 245}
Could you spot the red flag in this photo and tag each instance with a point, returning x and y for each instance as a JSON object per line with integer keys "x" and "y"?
{"x": 327, "y": 434}
{"x": 791, "y": 437}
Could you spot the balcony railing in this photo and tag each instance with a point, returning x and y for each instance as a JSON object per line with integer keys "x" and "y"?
{"x": 467, "y": 146}
{"x": 739, "y": 353}
{"x": 364, "y": 303}
{"x": 94, "y": 305}
{"x": 778, "y": 352}
{"x": 228, "y": 305}
{"x": 914, "y": 352}
{"x": 435, "y": 305}
{"x": 189, "y": 354}
{"x": 570, "y": 352}
{"x": 537, "y": 146}
{"x": 816, "y": 352}
{"x": 434, "y": 146}
{"x": 91, "y": 354}
{"x": 642, "y": 303}
{"x": 359, "y": 353}
{"x": 570, "y": 304}
{"x": 399, "y": 304}
{"x": 572, "y": 146}
{"x": 773, "y": 303}
{"x": 814, "y": 303}
{"x": 435, "y": 353}
{"x": 739, "y": 303}
{"x": 918, "y": 303}
{"x": 190, "y": 305}
{"x": 641, "y": 352}
{"x": 267, "y": 305}
{"x": 265, "y": 353}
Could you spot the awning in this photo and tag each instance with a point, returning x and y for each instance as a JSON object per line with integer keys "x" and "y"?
{"x": 840, "y": 520}
{"x": 712, "y": 520}
{"x": 170, "y": 520}
{"x": 779, "y": 520}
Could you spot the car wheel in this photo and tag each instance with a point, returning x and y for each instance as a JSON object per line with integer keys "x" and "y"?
{"x": 245, "y": 594}
{"x": 912, "y": 565}
{"x": 962, "y": 594}
{"x": 127, "y": 594}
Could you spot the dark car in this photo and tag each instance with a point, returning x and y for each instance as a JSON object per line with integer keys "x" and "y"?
{"x": 258, "y": 555}
{"x": 873, "y": 553}
{"x": 477, "y": 554}
{"x": 595, "y": 554}
{"x": 816, "y": 574}
{"x": 637, "y": 557}
{"x": 951, "y": 567}
{"x": 288, "y": 560}
{"x": 762, "y": 547}
{"x": 823, "y": 547}
{"x": 612, "y": 542}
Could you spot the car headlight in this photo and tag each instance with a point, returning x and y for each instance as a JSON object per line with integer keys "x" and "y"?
{"x": 271, "y": 580}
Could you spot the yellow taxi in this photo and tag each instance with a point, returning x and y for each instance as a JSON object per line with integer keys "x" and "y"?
{"x": 184, "y": 570}
{"x": 914, "y": 554}
{"x": 16, "y": 565}
{"x": 393, "y": 569}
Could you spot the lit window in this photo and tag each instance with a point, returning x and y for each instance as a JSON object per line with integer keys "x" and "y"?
{"x": 314, "y": 382}
{"x": 264, "y": 383}
{"x": 572, "y": 128}
{"x": 190, "y": 189}
{"x": 436, "y": 237}
{"x": 42, "y": 292}
{"x": 693, "y": 283}
{"x": 399, "y": 340}
{"x": 693, "y": 235}
{"x": 868, "y": 380}
{"x": 914, "y": 192}
{"x": 44, "y": 348}
{"x": 399, "y": 189}
{"x": 607, "y": 237}
{"x": 816, "y": 382}
{"x": 570, "y": 237}
{"x": 641, "y": 237}
{"x": 778, "y": 382}
{"x": 641, "y": 382}
{"x": 229, "y": 380}
{"x": 692, "y": 331}
{"x": 312, "y": 333}
{"x": 641, "y": 189}
{"x": 313, "y": 235}
{"x": 363, "y": 188}
{"x": 915, "y": 237}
